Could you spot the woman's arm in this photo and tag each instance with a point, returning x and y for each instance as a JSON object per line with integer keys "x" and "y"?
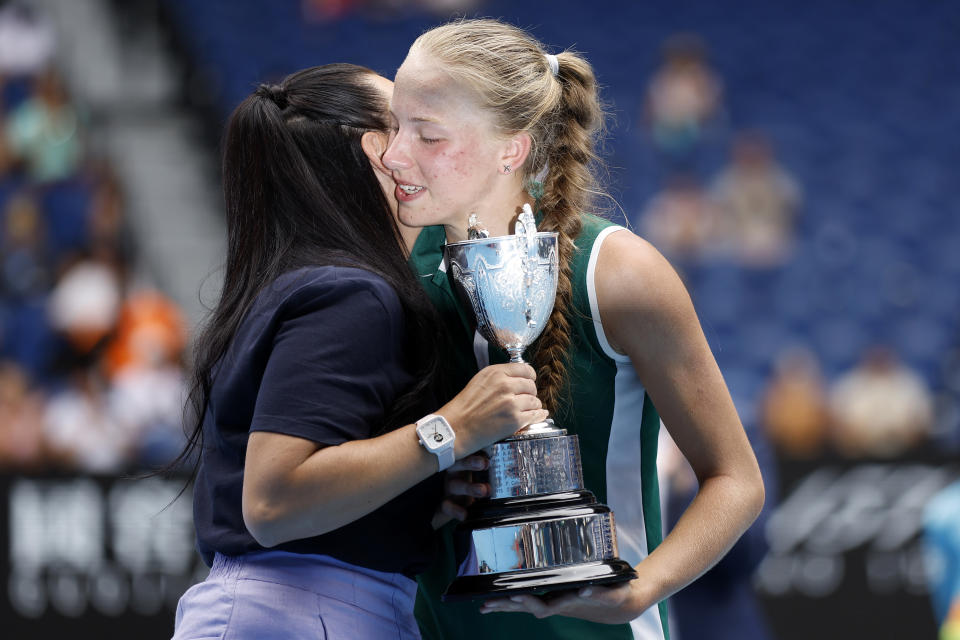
{"x": 294, "y": 489}
{"x": 647, "y": 314}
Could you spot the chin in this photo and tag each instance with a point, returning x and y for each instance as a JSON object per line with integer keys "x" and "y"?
{"x": 413, "y": 219}
{"x": 409, "y": 221}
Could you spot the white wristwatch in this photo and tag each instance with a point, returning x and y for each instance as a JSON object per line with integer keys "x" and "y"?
{"x": 436, "y": 436}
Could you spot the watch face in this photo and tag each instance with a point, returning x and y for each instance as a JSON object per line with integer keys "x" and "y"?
{"x": 435, "y": 432}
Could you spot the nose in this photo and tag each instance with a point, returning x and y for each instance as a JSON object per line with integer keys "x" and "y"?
{"x": 395, "y": 157}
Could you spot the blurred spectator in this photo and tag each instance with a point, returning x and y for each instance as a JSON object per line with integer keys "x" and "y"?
{"x": 82, "y": 432}
{"x": 25, "y": 273}
{"x": 881, "y": 408}
{"x": 105, "y": 221}
{"x": 24, "y": 283}
{"x": 144, "y": 363}
{"x": 22, "y": 442}
{"x": 27, "y": 40}
{"x": 44, "y": 133}
{"x": 942, "y": 539}
{"x": 84, "y": 304}
{"x": 150, "y": 331}
{"x": 757, "y": 202}
{"x": 679, "y": 220}
{"x": 7, "y": 159}
{"x": 147, "y": 403}
{"x": 794, "y": 405}
{"x": 684, "y": 95}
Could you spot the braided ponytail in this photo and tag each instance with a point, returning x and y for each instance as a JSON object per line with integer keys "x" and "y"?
{"x": 567, "y": 190}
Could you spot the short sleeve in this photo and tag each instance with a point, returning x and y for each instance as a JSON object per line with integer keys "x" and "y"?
{"x": 334, "y": 369}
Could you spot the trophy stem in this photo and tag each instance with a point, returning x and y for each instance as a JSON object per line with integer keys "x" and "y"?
{"x": 516, "y": 354}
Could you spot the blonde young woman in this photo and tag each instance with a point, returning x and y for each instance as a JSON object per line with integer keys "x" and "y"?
{"x": 486, "y": 122}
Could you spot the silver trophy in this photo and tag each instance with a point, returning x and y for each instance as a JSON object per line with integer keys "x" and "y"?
{"x": 539, "y": 530}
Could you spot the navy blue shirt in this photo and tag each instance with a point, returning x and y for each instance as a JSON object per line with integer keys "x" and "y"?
{"x": 319, "y": 356}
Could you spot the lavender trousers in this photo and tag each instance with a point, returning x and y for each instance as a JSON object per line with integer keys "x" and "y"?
{"x": 276, "y": 594}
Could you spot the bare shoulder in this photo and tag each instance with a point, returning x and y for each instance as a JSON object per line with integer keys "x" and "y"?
{"x": 644, "y": 307}
{"x": 632, "y": 275}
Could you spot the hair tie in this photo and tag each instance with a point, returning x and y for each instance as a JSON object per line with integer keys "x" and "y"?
{"x": 275, "y": 92}
{"x": 553, "y": 63}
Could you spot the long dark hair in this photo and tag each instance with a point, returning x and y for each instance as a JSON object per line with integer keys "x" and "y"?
{"x": 300, "y": 191}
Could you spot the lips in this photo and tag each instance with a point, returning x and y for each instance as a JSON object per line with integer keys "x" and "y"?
{"x": 408, "y": 192}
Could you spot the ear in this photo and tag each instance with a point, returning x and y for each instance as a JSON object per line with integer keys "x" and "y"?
{"x": 515, "y": 152}
{"x": 374, "y": 145}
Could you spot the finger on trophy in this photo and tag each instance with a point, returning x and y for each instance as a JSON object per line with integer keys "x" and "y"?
{"x": 469, "y": 489}
{"x": 460, "y": 486}
{"x": 519, "y": 603}
{"x": 479, "y": 489}
{"x": 491, "y": 606}
{"x": 520, "y": 370}
{"x": 453, "y": 509}
{"x": 541, "y": 415}
{"x": 475, "y": 462}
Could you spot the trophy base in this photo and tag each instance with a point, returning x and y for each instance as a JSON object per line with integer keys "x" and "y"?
{"x": 538, "y": 581}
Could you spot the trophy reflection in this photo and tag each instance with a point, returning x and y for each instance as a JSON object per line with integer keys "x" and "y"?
{"x": 539, "y": 530}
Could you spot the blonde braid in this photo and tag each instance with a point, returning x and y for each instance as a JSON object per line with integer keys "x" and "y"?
{"x": 553, "y": 346}
{"x": 567, "y": 192}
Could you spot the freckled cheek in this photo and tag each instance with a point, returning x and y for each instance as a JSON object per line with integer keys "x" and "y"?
{"x": 457, "y": 165}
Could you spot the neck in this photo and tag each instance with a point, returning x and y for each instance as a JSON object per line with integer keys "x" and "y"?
{"x": 497, "y": 214}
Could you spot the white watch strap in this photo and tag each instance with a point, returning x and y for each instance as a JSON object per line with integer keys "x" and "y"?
{"x": 446, "y": 458}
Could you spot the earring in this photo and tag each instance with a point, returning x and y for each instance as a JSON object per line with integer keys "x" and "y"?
{"x": 506, "y": 168}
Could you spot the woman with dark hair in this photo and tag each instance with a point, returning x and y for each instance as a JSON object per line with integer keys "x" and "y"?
{"x": 316, "y": 484}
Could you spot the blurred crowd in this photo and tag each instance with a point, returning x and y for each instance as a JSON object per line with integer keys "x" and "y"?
{"x": 91, "y": 377}
{"x": 879, "y": 409}
{"x": 747, "y": 214}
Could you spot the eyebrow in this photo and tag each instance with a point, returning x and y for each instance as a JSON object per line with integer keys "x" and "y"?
{"x": 416, "y": 119}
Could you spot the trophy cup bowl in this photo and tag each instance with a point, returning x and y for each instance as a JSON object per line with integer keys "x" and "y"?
{"x": 510, "y": 283}
{"x": 539, "y": 530}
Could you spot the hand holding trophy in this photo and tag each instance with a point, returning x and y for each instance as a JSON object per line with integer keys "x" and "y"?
{"x": 539, "y": 530}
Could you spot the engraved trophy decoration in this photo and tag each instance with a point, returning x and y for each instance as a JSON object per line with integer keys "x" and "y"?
{"x": 539, "y": 530}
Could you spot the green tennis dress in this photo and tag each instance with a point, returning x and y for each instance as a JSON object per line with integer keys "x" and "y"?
{"x": 605, "y": 405}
